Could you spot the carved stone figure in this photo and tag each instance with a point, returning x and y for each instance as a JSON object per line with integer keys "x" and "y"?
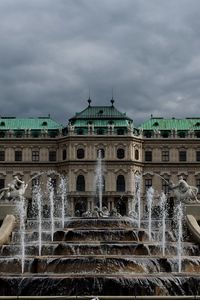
{"x": 105, "y": 212}
{"x": 183, "y": 191}
{"x": 13, "y": 189}
{"x": 114, "y": 213}
{"x": 95, "y": 212}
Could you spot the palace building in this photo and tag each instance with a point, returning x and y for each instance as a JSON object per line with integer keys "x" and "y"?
{"x": 159, "y": 149}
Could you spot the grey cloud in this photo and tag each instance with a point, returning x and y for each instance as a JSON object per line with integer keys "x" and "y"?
{"x": 52, "y": 52}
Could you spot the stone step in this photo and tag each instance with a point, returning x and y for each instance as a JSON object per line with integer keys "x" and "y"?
{"x": 98, "y": 248}
{"x": 99, "y": 265}
{"x": 77, "y": 284}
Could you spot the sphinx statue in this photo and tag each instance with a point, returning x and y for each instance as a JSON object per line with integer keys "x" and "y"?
{"x": 184, "y": 192}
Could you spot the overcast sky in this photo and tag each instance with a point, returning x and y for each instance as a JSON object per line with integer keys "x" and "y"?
{"x": 53, "y": 51}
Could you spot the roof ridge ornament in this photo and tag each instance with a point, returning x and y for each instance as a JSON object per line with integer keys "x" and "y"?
{"x": 89, "y": 101}
{"x": 112, "y": 101}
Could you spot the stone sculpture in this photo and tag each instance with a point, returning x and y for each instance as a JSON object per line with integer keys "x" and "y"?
{"x": 15, "y": 189}
{"x": 184, "y": 192}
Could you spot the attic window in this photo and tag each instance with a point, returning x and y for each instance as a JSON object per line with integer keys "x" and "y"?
{"x": 100, "y": 112}
{"x": 44, "y": 123}
{"x": 110, "y": 122}
{"x": 2, "y": 124}
{"x": 90, "y": 123}
{"x": 156, "y": 124}
{"x": 197, "y": 124}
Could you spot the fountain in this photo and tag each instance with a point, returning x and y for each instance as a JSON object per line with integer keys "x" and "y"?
{"x": 138, "y": 186}
{"x": 63, "y": 195}
{"x": 99, "y": 179}
{"x": 150, "y": 194}
{"x": 103, "y": 255}
{"x": 163, "y": 201}
{"x": 179, "y": 220}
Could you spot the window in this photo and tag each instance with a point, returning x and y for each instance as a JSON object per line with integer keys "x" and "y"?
{"x": 148, "y": 134}
{"x": 52, "y": 155}
{"x": 100, "y": 131}
{"x": 64, "y": 154}
{"x": 18, "y": 155}
{"x": 165, "y": 185}
{"x": 120, "y": 183}
{"x": 2, "y": 155}
{"x": 101, "y": 152}
{"x": 80, "y": 183}
{"x": 182, "y": 156}
{"x": 165, "y": 155}
{"x": 2, "y": 134}
{"x": 198, "y": 184}
{"x": 80, "y": 153}
{"x": 198, "y": 155}
{"x": 136, "y": 154}
{"x": 19, "y": 133}
{"x": 120, "y": 131}
{"x": 35, "y": 155}
{"x": 2, "y": 183}
{"x": 148, "y": 155}
{"x": 148, "y": 183}
{"x": 80, "y": 131}
{"x": 182, "y": 134}
{"x": 120, "y": 153}
{"x": 165, "y": 134}
{"x": 35, "y": 133}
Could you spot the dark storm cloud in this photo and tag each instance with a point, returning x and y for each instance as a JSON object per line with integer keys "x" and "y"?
{"x": 52, "y": 52}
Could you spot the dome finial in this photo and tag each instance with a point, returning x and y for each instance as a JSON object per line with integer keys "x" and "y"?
{"x": 112, "y": 100}
{"x": 89, "y": 100}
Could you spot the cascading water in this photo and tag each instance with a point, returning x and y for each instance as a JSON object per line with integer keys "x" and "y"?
{"x": 50, "y": 188}
{"x": 163, "y": 200}
{"x": 178, "y": 218}
{"x": 99, "y": 179}
{"x": 108, "y": 255}
{"x": 37, "y": 194}
{"x": 138, "y": 184}
{"x": 22, "y": 212}
{"x": 63, "y": 195}
{"x": 150, "y": 195}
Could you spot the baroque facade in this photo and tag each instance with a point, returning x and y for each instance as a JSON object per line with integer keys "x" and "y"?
{"x": 160, "y": 149}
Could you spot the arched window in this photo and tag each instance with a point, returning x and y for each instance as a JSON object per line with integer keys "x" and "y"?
{"x": 120, "y": 183}
{"x": 80, "y": 153}
{"x": 136, "y": 154}
{"x": 80, "y": 183}
{"x": 120, "y": 153}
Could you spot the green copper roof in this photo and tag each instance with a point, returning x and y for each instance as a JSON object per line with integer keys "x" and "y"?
{"x": 168, "y": 124}
{"x": 100, "y": 112}
{"x": 28, "y": 123}
{"x": 100, "y": 116}
{"x": 101, "y": 123}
